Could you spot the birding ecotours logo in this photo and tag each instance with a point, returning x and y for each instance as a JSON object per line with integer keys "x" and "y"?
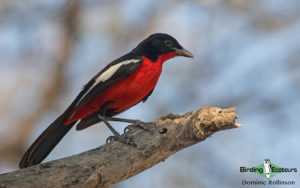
{"x": 267, "y": 170}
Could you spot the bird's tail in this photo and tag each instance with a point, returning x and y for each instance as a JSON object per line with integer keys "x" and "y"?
{"x": 43, "y": 145}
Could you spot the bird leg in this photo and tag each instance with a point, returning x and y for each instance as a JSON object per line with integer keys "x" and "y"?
{"x": 103, "y": 118}
{"x": 135, "y": 123}
{"x": 116, "y": 136}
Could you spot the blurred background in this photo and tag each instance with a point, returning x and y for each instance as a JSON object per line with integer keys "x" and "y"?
{"x": 247, "y": 56}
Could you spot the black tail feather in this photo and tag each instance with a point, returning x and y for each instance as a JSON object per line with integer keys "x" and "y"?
{"x": 44, "y": 144}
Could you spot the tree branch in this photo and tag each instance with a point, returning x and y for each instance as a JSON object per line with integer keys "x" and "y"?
{"x": 115, "y": 161}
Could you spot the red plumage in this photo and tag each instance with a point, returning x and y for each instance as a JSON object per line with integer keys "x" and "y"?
{"x": 127, "y": 92}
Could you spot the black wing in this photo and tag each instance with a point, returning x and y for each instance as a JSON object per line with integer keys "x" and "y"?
{"x": 110, "y": 75}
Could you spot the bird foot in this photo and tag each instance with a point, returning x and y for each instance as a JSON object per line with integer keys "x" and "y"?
{"x": 141, "y": 125}
{"x": 124, "y": 140}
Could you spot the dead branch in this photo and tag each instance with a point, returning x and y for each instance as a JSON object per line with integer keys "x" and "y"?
{"x": 115, "y": 161}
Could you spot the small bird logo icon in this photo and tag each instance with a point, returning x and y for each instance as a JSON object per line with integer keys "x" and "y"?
{"x": 267, "y": 168}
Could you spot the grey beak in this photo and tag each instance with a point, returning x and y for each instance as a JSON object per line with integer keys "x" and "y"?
{"x": 183, "y": 52}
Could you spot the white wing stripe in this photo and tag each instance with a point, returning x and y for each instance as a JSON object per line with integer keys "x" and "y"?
{"x": 109, "y": 72}
{"x": 107, "y": 75}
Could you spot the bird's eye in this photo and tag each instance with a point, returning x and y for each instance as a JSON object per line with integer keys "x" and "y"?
{"x": 168, "y": 43}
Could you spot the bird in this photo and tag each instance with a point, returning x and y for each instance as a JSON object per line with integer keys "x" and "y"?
{"x": 122, "y": 84}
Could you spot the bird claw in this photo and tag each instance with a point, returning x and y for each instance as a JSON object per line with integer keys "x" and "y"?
{"x": 120, "y": 139}
{"x": 136, "y": 124}
{"x": 141, "y": 125}
{"x": 132, "y": 126}
{"x": 111, "y": 138}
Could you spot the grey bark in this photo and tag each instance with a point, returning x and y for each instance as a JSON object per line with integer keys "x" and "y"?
{"x": 115, "y": 161}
